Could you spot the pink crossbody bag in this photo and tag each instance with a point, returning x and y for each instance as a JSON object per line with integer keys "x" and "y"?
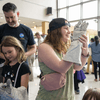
{"x": 53, "y": 81}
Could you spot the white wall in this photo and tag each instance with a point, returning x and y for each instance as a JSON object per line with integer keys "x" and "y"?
{"x": 35, "y": 9}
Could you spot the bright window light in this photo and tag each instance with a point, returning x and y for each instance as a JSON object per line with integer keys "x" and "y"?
{"x": 74, "y": 13}
{"x": 72, "y": 2}
{"x": 62, "y": 13}
{"x": 85, "y": 0}
{"x": 62, "y": 3}
{"x": 92, "y": 24}
{"x": 90, "y": 9}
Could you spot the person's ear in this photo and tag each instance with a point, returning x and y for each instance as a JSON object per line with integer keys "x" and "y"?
{"x": 18, "y": 13}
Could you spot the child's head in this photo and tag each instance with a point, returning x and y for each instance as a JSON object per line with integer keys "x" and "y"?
{"x": 10, "y": 41}
{"x": 92, "y": 94}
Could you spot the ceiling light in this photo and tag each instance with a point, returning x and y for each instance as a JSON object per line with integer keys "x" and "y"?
{"x": 24, "y": 24}
{"x": 33, "y": 22}
{"x": 1, "y": 17}
{"x": 35, "y": 27}
{"x": 19, "y": 20}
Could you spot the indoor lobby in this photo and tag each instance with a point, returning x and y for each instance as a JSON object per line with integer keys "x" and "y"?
{"x": 36, "y": 14}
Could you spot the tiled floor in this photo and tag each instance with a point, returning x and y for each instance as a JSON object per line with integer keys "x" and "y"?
{"x": 89, "y": 83}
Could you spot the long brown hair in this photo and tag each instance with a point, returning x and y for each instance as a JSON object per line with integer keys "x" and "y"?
{"x": 10, "y": 41}
{"x": 54, "y": 38}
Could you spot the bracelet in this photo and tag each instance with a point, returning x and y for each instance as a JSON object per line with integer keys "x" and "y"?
{"x": 86, "y": 56}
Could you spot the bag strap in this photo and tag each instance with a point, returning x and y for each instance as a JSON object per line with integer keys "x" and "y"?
{"x": 17, "y": 73}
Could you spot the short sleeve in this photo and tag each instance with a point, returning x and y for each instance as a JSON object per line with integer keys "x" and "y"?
{"x": 1, "y": 32}
{"x": 90, "y": 45}
{"x": 3, "y": 71}
{"x": 24, "y": 69}
{"x": 31, "y": 40}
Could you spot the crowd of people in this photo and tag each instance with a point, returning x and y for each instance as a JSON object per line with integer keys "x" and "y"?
{"x": 57, "y": 80}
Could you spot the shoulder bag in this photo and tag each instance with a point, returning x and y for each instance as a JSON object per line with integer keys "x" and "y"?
{"x": 53, "y": 81}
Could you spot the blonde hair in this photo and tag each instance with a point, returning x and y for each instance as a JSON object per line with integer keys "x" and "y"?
{"x": 54, "y": 38}
{"x": 92, "y": 94}
{"x": 10, "y": 41}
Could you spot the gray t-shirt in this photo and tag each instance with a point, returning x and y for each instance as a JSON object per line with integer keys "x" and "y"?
{"x": 95, "y": 52}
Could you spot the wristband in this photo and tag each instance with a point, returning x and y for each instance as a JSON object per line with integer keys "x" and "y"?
{"x": 86, "y": 56}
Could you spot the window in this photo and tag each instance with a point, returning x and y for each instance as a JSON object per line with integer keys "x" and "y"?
{"x": 85, "y": 0}
{"x": 91, "y": 29}
{"x": 92, "y": 24}
{"x": 62, "y": 3}
{"x": 71, "y": 2}
{"x": 74, "y": 13}
{"x": 90, "y": 9}
{"x": 62, "y": 13}
{"x": 73, "y": 23}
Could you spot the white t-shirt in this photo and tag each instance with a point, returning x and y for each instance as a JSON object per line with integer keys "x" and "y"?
{"x": 40, "y": 40}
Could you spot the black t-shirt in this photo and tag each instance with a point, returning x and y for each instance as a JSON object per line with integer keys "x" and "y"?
{"x": 2, "y": 60}
{"x": 10, "y": 72}
{"x": 22, "y": 33}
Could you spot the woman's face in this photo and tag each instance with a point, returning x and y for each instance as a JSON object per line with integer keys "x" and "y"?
{"x": 65, "y": 33}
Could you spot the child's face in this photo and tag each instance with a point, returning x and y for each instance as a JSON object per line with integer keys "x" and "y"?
{"x": 10, "y": 53}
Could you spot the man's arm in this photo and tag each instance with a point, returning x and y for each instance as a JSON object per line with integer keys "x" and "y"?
{"x": 31, "y": 50}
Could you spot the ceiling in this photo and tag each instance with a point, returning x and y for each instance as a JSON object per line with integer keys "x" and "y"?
{"x": 27, "y": 21}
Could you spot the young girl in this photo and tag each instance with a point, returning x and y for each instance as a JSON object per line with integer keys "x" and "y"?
{"x": 14, "y": 57}
{"x": 92, "y": 94}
